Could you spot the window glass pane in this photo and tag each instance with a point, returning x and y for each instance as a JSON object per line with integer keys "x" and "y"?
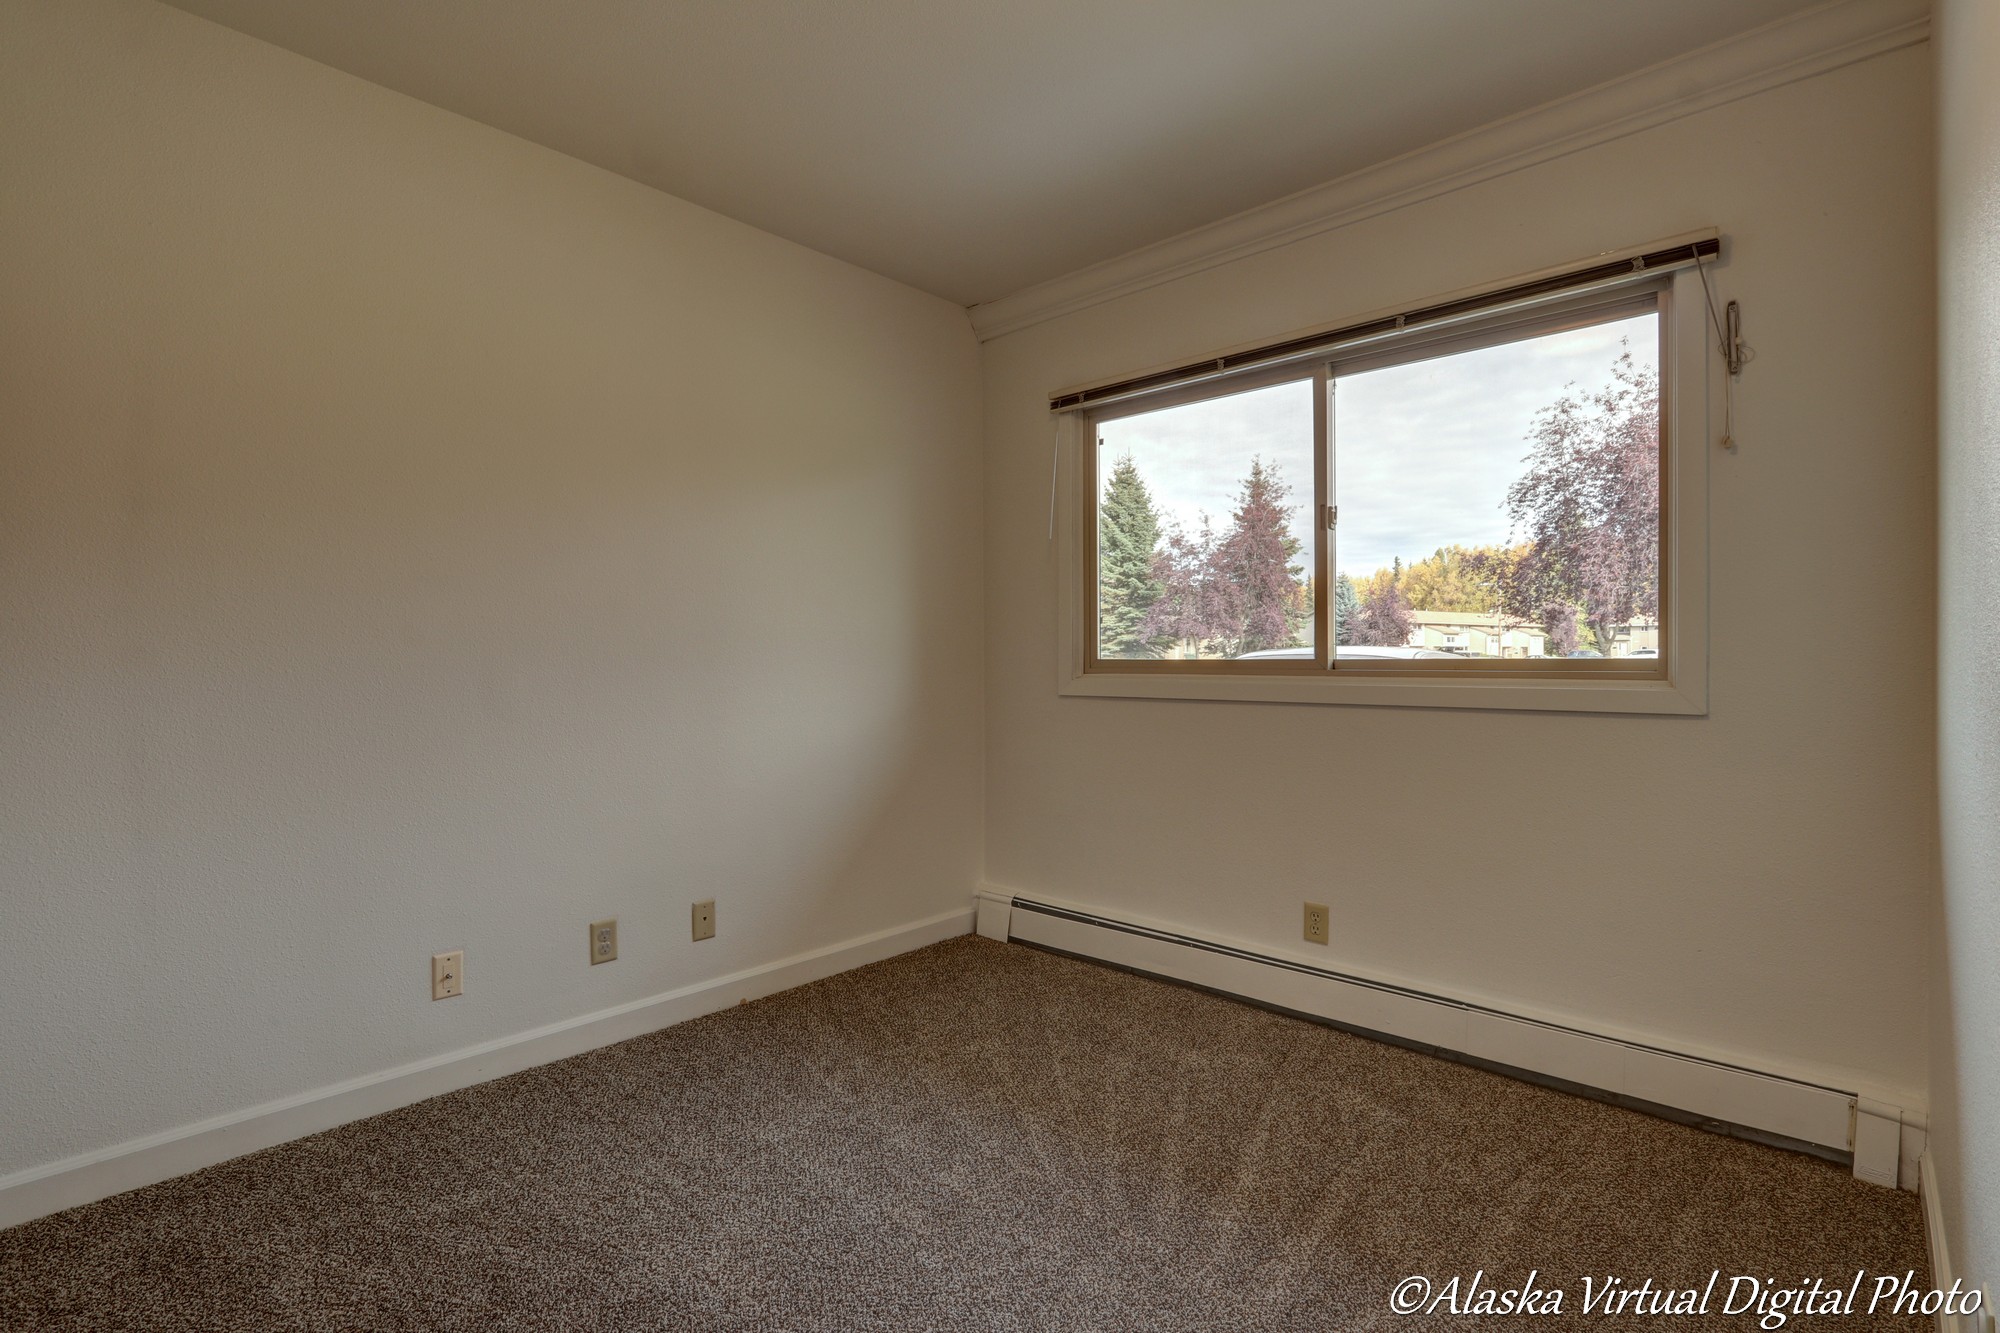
{"x": 1502, "y": 502}
{"x": 1204, "y": 532}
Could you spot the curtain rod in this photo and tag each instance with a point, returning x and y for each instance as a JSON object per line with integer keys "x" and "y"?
{"x": 1655, "y": 261}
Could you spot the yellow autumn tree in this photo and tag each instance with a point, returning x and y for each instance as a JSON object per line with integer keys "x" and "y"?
{"x": 1459, "y": 578}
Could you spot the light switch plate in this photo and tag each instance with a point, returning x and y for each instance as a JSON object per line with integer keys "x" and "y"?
{"x": 447, "y": 974}
{"x": 603, "y": 941}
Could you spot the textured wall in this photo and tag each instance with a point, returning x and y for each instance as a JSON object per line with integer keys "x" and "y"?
{"x": 1753, "y": 883}
{"x": 1965, "y": 1006}
{"x": 414, "y": 539}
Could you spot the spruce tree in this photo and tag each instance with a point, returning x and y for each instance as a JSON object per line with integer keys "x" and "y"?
{"x": 1128, "y": 531}
{"x": 1346, "y": 603}
{"x": 1256, "y": 562}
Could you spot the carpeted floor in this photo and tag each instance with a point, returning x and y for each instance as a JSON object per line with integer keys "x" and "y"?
{"x": 973, "y": 1136}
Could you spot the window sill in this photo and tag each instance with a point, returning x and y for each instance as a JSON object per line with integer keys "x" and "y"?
{"x": 1596, "y": 695}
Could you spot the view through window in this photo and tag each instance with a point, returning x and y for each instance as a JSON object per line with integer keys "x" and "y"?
{"x": 1204, "y": 531}
{"x": 1504, "y": 502}
{"x": 1497, "y": 503}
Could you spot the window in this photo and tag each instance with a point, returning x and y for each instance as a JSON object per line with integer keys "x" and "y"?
{"x": 1481, "y": 514}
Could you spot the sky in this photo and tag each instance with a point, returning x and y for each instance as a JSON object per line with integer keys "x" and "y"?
{"x": 1423, "y": 452}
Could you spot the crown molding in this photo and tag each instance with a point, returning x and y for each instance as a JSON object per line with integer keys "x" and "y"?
{"x": 1811, "y": 42}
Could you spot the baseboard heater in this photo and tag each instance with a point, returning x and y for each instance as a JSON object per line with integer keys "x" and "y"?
{"x": 1828, "y": 1122}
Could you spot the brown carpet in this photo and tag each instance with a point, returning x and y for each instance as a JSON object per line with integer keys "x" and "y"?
{"x": 973, "y": 1136}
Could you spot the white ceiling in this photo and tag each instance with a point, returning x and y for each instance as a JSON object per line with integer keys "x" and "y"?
{"x": 974, "y": 147}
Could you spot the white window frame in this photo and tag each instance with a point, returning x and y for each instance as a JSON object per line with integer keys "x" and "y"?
{"x": 1686, "y": 444}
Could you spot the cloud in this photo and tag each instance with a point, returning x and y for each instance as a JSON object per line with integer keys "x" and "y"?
{"x": 1194, "y": 457}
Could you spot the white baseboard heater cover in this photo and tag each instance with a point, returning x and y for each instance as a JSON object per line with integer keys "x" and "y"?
{"x": 1722, "y": 1097}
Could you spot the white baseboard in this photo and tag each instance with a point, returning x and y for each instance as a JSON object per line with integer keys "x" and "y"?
{"x": 1760, "y": 1103}
{"x": 1916, "y": 1139}
{"x": 1943, "y": 1275}
{"x": 40, "y": 1190}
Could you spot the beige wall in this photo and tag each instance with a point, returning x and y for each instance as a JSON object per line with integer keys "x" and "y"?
{"x": 1965, "y": 1004}
{"x": 413, "y": 539}
{"x": 1753, "y": 883}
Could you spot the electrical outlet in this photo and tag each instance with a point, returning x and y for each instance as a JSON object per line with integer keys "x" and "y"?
{"x": 1316, "y": 923}
{"x": 704, "y": 920}
{"x": 447, "y": 974}
{"x": 603, "y": 941}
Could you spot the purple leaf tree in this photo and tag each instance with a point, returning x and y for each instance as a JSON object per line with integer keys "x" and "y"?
{"x": 1192, "y": 606}
{"x": 1559, "y": 618}
{"x": 1589, "y": 508}
{"x": 1384, "y": 618}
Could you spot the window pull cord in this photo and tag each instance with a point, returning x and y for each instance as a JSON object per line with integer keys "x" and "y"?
{"x": 1055, "y": 455}
{"x": 1734, "y": 353}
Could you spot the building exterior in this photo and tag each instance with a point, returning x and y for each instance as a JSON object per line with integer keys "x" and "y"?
{"x": 1487, "y": 634}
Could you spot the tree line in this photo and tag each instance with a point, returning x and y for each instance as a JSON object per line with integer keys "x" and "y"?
{"x": 1583, "y": 560}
